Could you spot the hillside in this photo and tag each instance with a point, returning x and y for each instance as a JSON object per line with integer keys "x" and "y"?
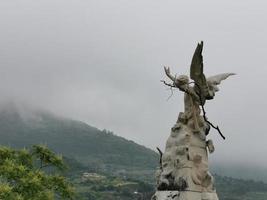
{"x": 100, "y": 186}
{"x": 71, "y": 138}
{"x": 126, "y": 166}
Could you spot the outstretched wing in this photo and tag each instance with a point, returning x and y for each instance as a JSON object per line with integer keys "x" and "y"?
{"x": 196, "y": 71}
{"x": 213, "y": 81}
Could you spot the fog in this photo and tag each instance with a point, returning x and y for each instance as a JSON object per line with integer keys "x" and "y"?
{"x": 102, "y": 61}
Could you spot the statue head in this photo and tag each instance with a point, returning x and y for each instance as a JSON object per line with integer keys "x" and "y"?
{"x": 182, "y": 80}
{"x": 212, "y": 88}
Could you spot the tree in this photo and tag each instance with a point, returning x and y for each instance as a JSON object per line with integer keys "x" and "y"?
{"x": 32, "y": 174}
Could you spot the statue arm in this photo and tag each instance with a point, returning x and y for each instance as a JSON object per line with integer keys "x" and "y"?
{"x": 190, "y": 90}
{"x": 183, "y": 87}
{"x": 168, "y": 73}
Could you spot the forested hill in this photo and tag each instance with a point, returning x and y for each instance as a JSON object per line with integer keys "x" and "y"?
{"x": 89, "y": 145}
{"x": 120, "y": 161}
{"x": 24, "y": 126}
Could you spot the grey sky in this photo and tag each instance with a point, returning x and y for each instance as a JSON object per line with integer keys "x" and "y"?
{"x": 102, "y": 62}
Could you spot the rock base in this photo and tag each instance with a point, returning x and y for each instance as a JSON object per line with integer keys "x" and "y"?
{"x": 184, "y": 195}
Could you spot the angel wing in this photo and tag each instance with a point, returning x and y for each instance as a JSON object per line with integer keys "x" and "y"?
{"x": 196, "y": 72}
{"x": 213, "y": 81}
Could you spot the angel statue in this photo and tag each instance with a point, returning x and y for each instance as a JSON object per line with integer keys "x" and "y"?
{"x": 184, "y": 171}
{"x": 202, "y": 90}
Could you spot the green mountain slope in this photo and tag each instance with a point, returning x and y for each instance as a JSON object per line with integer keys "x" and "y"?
{"x": 238, "y": 189}
{"x": 103, "y": 152}
{"x": 72, "y": 138}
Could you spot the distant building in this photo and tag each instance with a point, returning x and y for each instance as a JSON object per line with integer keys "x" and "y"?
{"x": 92, "y": 176}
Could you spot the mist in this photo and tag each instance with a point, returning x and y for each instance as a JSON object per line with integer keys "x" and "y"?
{"x": 102, "y": 61}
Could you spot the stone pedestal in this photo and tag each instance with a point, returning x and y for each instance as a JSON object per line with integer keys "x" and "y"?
{"x": 184, "y": 172}
{"x": 184, "y": 195}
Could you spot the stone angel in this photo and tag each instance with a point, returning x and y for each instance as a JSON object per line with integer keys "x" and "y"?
{"x": 198, "y": 90}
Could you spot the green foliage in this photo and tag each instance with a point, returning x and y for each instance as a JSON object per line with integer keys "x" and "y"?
{"x": 118, "y": 188}
{"x": 237, "y": 189}
{"x": 47, "y": 157}
{"x": 23, "y": 175}
{"x": 87, "y": 144}
{"x": 33, "y": 174}
{"x": 112, "y": 188}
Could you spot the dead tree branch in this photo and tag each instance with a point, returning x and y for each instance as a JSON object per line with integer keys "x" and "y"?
{"x": 160, "y": 158}
{"x": 171, "y": 86}
{"x": 204, "y": 112}
{"x": 201, "y": 104}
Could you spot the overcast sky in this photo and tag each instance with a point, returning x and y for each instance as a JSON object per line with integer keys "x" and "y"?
{"x": 101, "y": 62}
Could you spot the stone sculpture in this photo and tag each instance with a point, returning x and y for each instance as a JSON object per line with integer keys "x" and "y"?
{"x": 184, "y": 172}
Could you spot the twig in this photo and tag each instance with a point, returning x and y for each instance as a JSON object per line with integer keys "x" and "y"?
{"x": 204, "y": 112}
{"x": 44, "y": 166}
{"x": 171, "y": 87}
{"x": 201, "y": 104}
{"x": 160, "y": 159}
{"x": 168, "y": 84}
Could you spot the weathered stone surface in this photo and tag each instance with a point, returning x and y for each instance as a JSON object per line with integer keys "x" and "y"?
{"x": 184, "y": 172}
{"x": 184, "y": 195}
{"x": 185, "y": 161}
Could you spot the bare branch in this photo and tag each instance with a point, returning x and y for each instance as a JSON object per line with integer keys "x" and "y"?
{"x": 204, "y": 112}
{"x": 171, "y": 94}
{"x": 171, "y": 86}
{"x": 168, "y": 84}
{"x": 201, "y": 103}
{"x": 160, "y": 158}
{"x": 44, "y": 166}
